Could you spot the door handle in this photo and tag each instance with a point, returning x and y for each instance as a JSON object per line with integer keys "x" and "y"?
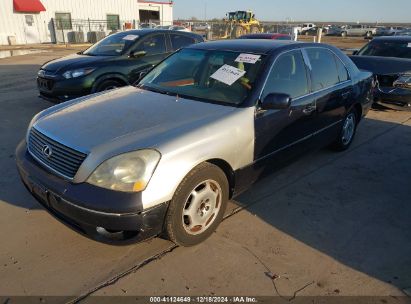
{"x": 309, "y": 109}
{"x": 345, "y": 94}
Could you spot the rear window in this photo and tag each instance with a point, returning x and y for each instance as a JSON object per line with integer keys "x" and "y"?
{"x": 397, "y": 49}
{"x": 180, "y": 41}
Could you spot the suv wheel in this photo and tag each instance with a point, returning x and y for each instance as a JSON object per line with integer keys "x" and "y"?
{"x": 198, "y": 205}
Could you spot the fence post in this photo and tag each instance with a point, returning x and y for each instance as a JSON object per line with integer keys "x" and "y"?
{"x": 319, "y": 34}
{"x": 89, "y": 27}
{"x": 53, "y": 28}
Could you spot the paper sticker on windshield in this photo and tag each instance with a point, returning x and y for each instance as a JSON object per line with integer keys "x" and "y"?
{"x": 228, "y": 74}
{"x": 130, "y": 37}
{"x": 409, "y": 45}
{"x": 248, "y": 58}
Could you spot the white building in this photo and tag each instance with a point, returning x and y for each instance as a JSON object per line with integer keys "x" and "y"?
{"x": 40, "y": 21}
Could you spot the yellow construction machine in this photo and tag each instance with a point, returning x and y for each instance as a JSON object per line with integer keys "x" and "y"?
{"x": 240, "y": 23}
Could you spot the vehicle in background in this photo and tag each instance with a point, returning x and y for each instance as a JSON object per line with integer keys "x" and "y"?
{"x": 241, "y": 23}
{"x": 273, "y": 36}
{"x": 165, "y": 157}
{"x": 163, "y": 27}
{"x": 389, "y": 58}
{"x": 406, "y": 32}
{"x": 115, "y": 61}
{"x": 389, "y": 31}
{"x": 359, "y": 30}
{"x": 306, "y": 27}
{"x": 334, "y": 31}
{"x": 201, "y": 27}
{"x": 147, "y": 25}
{"x": 311, "y": 32}
{"x": 179, "y": 28}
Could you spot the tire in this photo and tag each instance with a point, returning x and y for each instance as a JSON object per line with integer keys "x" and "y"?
{"x": 238, "y": 31}
{"x": 344, "y": 34}
{"x": 255, "y": 30}
{"x": 198, "y": 206}
{"x": 108, "y": 85}
{"x": 347, "y": 132}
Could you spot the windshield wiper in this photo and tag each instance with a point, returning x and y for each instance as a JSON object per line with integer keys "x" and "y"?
{"x": 156, "y": 90}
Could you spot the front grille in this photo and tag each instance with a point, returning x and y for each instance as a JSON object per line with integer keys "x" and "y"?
{"x": 44, "y": 83}
{"x": 62, "y": 159}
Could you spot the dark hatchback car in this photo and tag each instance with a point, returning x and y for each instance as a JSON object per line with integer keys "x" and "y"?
{"x": 115, "y": 61}
{"x": 198, "y": 129}
{"x": 389, "y": 59}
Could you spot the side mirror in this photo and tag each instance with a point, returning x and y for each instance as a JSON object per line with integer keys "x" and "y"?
{"x": 141, "y": 75}
{"x": 276, "y": 101}
{"x": 137, "y": 54}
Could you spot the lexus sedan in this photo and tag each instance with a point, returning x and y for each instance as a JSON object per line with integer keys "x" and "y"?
{"x": 115, "y": 61}
{"x": 165, "y": 156}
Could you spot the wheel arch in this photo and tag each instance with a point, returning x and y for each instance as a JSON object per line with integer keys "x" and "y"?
{"x": 111, "y": 76}
{"x": 228, "y": 171}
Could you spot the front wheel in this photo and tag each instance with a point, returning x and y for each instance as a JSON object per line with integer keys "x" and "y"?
{"x": 198, "y": 205}
{"x": 107, "y": 85}
{"x": 347, "y": 133}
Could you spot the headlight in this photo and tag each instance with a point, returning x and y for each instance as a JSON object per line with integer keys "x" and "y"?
{"x": 129, "y": 172}
{"x": 77, "y": 73}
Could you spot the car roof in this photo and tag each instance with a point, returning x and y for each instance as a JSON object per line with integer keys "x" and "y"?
{"x": 142, "y": 32}
{"x": 393, "y": 38}
{"x": 259, "y": 46}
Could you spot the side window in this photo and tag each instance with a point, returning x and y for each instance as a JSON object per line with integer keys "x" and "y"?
{"x": 342, "y": 70}
{"x": 288, "y": 76}
{"x": 179, "y": 41}
{"x": 324, "y": 69}
{"x": 153, "y": 45}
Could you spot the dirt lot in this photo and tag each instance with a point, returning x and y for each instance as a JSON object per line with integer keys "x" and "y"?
{"x": 328, "y": 224}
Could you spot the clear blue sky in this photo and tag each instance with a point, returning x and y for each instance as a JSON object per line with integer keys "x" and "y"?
{"x": 301, "y": 10}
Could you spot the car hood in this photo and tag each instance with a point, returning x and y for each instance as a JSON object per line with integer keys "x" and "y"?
{"x": 126, "y": 119}
{"x": 71, "y": 62}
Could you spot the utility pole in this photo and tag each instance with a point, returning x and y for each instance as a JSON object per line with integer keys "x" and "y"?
{"x": 205, "y": 11}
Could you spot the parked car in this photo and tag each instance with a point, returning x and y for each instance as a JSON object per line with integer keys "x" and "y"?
{"x": 112, "y": 62}
{"x": 389, "y": 31}
{"x": 179, "y": 28}
{"x": 310, "y": 32}
{"x": 199, "y": 128}
{"x": 148, "y": 25}
{"x": 359, "y": 30}
{"x": 306, "y": 26}
{"x": 389, "y": 58}
{"x": 164, "y": 27}
{"x": 273, "y": 36}
{"x": 201, "y": 27}
{"x": 406, "y": 32}
{"x": 334, "y": 31}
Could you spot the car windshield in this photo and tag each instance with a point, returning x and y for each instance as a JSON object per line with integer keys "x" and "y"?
{"x": 398, "y": 49}
{"x": 223, "y": 77}
{"x": 113, "y": 45}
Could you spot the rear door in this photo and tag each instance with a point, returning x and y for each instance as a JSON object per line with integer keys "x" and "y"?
{"x": 332, "y": 90}
{"x": 156, "y": 49}
{"x": 281, "y": 130}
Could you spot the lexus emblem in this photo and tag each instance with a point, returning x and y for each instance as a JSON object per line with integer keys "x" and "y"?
{"x": 47, "y": 151}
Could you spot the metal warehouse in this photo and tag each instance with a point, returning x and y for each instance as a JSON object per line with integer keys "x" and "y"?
{"x": 76, "y": 21}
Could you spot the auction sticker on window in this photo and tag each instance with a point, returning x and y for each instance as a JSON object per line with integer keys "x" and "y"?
{"x": 409, "y": 45}
{"x": 130, "y": 37}
{"x": 248, "y": 58}
{"x": 228, "y": 74}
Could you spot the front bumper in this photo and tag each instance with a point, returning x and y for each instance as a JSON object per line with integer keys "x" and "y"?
{"x": 394, "y": 98}
{"x": 59, "y": 89}
{"x": 96, "y": 212}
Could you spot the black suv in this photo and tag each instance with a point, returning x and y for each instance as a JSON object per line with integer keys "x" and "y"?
{"x": 115, "y": 61}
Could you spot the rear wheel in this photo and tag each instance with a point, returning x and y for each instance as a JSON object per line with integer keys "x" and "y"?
{"x": 344, "y": 34}
{"x": 198, "y": 205}
{"x": 347, "y": 133}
